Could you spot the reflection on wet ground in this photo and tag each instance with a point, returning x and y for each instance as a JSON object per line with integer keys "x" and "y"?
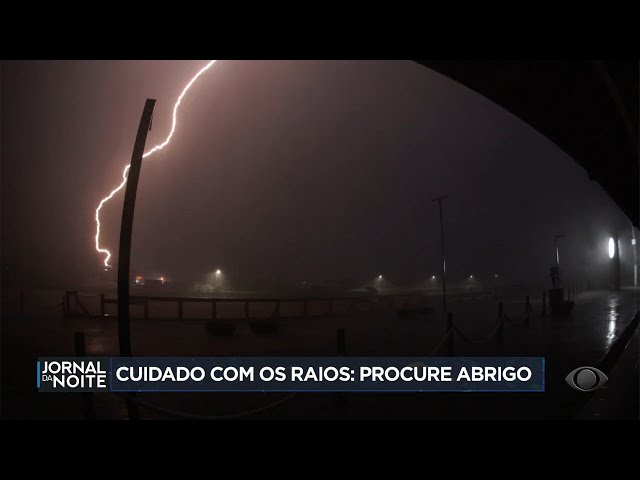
{"x": 582, "y": 338}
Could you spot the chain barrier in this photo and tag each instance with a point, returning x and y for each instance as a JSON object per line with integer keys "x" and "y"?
{"x": 527, "y": 315}
{"x": 484, "y": 339}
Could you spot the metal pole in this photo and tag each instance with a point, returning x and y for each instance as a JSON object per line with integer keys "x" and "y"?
{"x": 616, "y": 263}
{"x": 634, "y": 244}
{"x": 635, "y": 256}
{"x": 444, "y": 265}
{"x": 558, "y": 256}
{"x": 126, "y": 230}
{"x": 124, "y": 249}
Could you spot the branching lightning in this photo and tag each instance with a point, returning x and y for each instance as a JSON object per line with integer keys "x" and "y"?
{"x": 158, "y": 147}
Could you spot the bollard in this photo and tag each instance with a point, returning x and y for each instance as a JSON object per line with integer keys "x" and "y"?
{"x": 450, "y": 339}
{"x": 214, "y": 310}
{"x": 544, "y": 304}
{"x": 102, "y": 304}
{"x": 527, "y": 311}
{"x": 88, "y": 408}
{"x": 277, "y": 311}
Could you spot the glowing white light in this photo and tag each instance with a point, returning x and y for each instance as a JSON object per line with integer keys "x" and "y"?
{"x": 633, "y": 241}
{"x": 379, "y": 277}
{"x": 471, "y": 277}
{"x": 496, "y": 275}
{"x": 160, "y": 146}
{"x": 612, "y": 248}
{"x": 433, "y": 277}
{"x": 218, "y": 272}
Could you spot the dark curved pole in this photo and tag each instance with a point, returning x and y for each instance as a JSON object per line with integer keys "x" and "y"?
{"x": 126, "y": 229}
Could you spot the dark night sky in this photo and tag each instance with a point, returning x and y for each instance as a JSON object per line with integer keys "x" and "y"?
{"x": 288, "y": 170}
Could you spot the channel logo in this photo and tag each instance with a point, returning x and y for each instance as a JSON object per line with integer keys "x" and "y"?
{"x": 87, "y": 374}
{"x": 586, "y": 379}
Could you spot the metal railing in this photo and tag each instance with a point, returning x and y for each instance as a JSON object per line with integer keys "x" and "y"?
{"x": 74, "y": 306}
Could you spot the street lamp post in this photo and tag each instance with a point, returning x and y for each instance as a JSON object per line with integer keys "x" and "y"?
{"x": 614, "y": 254}
{"x": 444, "y": 265}
{"x": 635, "y": 256}
{"x": 558, "y": 255}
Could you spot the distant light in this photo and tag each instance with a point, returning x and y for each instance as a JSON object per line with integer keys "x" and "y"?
{"x": 106, "y": 269}
{"x": 218, "y": 272}
{"x": 633, "y": 241}
{"x": 433, "y": 277}
{"x": 471, "y": 277}
{"x": 496, "y": 275}
{"x": 380, "y": 277}
{"x": 612, "y": 248}
{"x": 162, "y": 279}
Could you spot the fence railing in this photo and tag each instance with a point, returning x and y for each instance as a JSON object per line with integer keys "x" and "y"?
{"x": 75, "y": 304}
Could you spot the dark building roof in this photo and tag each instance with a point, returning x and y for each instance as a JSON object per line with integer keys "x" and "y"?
{"x": 588, "y": 108}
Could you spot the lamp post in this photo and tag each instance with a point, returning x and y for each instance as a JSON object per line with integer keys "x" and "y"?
{"x": 124, "y": 248}
{"x": 558, "y": 255}
{"x": 444, "y": 265}
{"x": 126, "y": 229}
{"x": 614, "y": 255}
{"x": 635, "y": 256}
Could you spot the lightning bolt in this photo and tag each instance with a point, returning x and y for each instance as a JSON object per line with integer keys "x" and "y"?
{"x": 158, "y": 147}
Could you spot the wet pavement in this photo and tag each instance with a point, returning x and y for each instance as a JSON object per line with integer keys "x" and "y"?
{"x": 583, "y": 338}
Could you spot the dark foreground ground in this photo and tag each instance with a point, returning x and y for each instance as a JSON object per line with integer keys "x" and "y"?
{"x": 595, "y": 334}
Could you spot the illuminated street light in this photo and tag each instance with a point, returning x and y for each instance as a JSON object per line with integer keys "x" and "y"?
{"x": 218, "y": 272}
{"x": 614, "y": 255}
{"x": 612, "y": 248}
{"x": 470, "y": 277}
{"x": 379, "y": 277}
{"x": 433, "y": 277}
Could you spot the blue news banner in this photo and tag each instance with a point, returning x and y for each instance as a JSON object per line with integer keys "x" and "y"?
{"x": 291, "y": 374}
